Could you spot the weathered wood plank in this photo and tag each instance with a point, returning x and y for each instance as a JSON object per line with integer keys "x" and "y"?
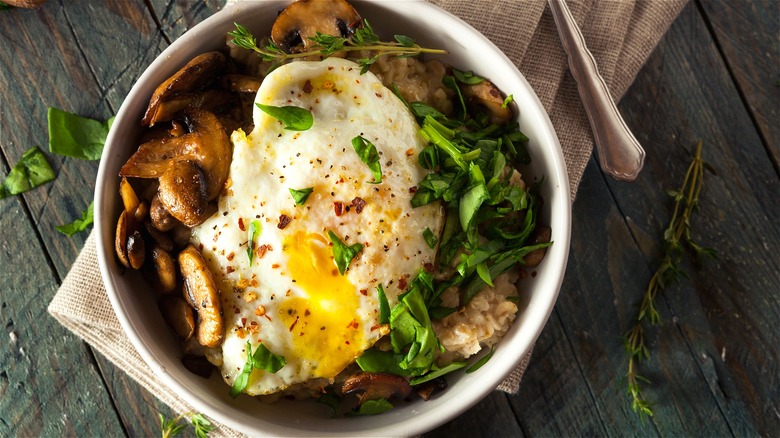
{"x": 177, "y": 17}
{"x": 747, "y": 34}
{"x": 727, "y": 313}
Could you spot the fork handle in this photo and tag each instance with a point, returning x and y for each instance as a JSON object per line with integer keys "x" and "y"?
{"x": 620, "y": 154}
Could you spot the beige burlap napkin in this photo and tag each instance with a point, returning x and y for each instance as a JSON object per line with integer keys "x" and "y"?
{"x": 620, "y": 33}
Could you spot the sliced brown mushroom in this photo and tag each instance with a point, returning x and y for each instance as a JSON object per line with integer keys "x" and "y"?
{"x": 162, "y": 239}
{"x": 141, "y": 212}
{"x": 162, "y": 270}
{"x": 183, "y": 193}
{"x": 373, "y": 386}
{"x": 203, "y": 295}
{"x": 161, "y": 219}
{"x": 427, "y": 389}
{"x": 129, "y": 198}
{"x": 304, "y": 18}
{"x": 240, "y": 83}
{"x": 487, "y": 96}
{"x": 136, "y": 250}
{"x": 207, "y": 144}
{"x": 540, "y": 235}
{"x": 120, "y": 240}
{"x": 178, "y": 314}
{"x": 177, "y": 92}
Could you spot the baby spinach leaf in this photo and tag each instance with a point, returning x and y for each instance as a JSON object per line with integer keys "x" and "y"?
{"x": 509, "y": 99}
{"x": 482, "y": 361}
{"x": 74, "y": 136}
{"x": 368, "y": 155}
{"x": 467, "y": 77}
{"x": 454, "y": 366}
{"x": 384, "y": 306}
{"x": 301, "y": 195}
{"x": 294, "y": 118}
{"x": 31, "y": 171}
{"x": 373, "y": 407}
{"x": 343, "y": 254}
{"x": 80, "y": 224}
{"x": 430, "y": 239}
{"x": 262, "y": 359}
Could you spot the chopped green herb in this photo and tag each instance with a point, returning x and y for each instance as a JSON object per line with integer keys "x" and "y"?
{"x": 31, "y": 171}
{"x": 343, "y": 254}
{"x": 404, "y": 41}
{"x": 509, "y": 99}
{"x": 171, "y": 428}
{"x": 254, "y": 230}
{"x": 261, "y": 359}
{"x": 301, "y": 195}
{"x": 202, "y": 425}
{"x": 373, "y": 407}
{"x": 482, "y": 361}
{"x": 384, "y": 306}
{"x": 368, "y": 155}
{"x": 294, "y": 118}
{"x": 467, "y": 77}
{"x": 80, "y": 224}
{"x": 74, "y": 136}
{"x": 430, "y": 238}
{"x": 454, "y": 366}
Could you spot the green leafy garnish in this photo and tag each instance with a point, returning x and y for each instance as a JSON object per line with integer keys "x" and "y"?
{"x": 31, "y": 171}
{"x": 374, "y": 407}
{"x": 80, "y": 224}
{"x": 343, "y": 254}
{"x": 509, "y": 99}
{"x": 677, "y": 238}
{"x": 368, "y": 155}
{"x": 384, "y": 306}
{"x": 467, "y": 77}
{"x": 261, "y": 359}
{"x": 363, "y": 39}
{"x": 301, "y": 195}
{"x": 430, "y": 238}
{"x": 482, "y": 361}
{"x": 294, "y": 118}
{"x": 171, "y": 428}
{"x": 254, "y": 230}
{"x": 454, "y": 366}
{"x": 331, "y": 401}
{"x": 411, "y": 331}
{"x": 74, "y": 136}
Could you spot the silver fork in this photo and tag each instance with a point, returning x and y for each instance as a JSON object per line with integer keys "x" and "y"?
{"x": 620, "y": 154}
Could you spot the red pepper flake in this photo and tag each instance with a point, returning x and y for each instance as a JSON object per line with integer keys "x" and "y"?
{"x": 338, "y": 208}
{"x": 229, "y": 269}
{"x": 284, "y": 220}
{"x": 306, "y": 313}
{"x": 241, "y": 224}
{"x": 243, "y": 321}
{"x": 262, "y": 249}
{"x": 275, "y": 266}
{"x": 409, "y": 152}
{"x": 353, "y": 324}
{"x": 364, "y": 292}
{"x": 307, "y": 87}
{"x": 230, "y": 256}
{"x": 260, "y": 310}
{"x": 292, "y": 326}
{"x": 358, "y": 203}
{"x": 413, "y": 189}
{"x": 428, "y": 267}
{"x": 402, "y": 283}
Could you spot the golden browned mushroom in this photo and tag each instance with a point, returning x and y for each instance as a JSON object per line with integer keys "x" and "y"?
{"x": 136, "y": 250}
{"x": 240, "y": 83}
{"x": 120, "y": 241}
{"x": 161, "y": 219}
{"x": 162, "y": 270}
{"x": 178, "y": 314}
{"x": 373, "y": 386}
{"x": 540, "y": 235}
{"x": 182, "y": 193}
{"x": 304, "y": 18}
{"x": 486, "y": 95}
{"x": 207, "y": 144}
{"x": 129, "y": 198}
{"x": 177, "y": 92}
{"x": 202, "y": 293}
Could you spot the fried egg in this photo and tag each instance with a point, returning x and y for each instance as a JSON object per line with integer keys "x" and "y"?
{"x": 291, "y": 296}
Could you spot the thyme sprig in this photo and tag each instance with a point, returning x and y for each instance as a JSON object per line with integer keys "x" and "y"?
{"x": 172, "y": 428}
{"x": 364, "y": 38}
{"x": 677, "y": 237}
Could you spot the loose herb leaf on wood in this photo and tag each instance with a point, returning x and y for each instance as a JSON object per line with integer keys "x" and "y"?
{"x": 31, "y": 171}
{"x": 80, "y": 224}
{"x": 74, "y": 136}
{"x": 677, "y": 239}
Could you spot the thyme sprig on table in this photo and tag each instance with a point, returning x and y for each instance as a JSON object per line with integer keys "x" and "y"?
{"x": 172, "y": 428}
{"x": 677, "y": 237}
{"x": 364, "y": 38}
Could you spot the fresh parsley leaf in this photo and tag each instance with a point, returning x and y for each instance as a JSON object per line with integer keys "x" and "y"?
{"x": 80, "y": 224}
{"x": 74, "y": 136}
{"x": 430, "y": 239}
{"x": 384, "y": 306}
{"x": 482, "y": 361}
{"x": 509, "y": 99}
{"x": 368, "y": 155}
{"x": 404, "y": 40}
{"x": 255, "y": 228}
{"x": 373, "y": 407}
{"x": 31, "y": 171}
{"x": 301, "y": 195}
{"x": 343, "y": 254}
{"x": 294, "y": 118}
{"x": 262, "y": 359}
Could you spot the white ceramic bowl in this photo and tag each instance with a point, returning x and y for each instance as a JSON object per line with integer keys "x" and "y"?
{"x": 134, "y": 303}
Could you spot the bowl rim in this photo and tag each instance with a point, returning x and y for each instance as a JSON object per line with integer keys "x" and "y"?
{"x": 416, "y": 424}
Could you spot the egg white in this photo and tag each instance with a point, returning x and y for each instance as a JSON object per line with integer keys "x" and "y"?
{"x": 292, "y": 297}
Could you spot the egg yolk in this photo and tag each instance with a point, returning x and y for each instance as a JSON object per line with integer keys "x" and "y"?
{"x": 323, "y": 322}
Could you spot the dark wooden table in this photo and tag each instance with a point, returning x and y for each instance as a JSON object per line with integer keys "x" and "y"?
{"x": 715, "y": 362}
